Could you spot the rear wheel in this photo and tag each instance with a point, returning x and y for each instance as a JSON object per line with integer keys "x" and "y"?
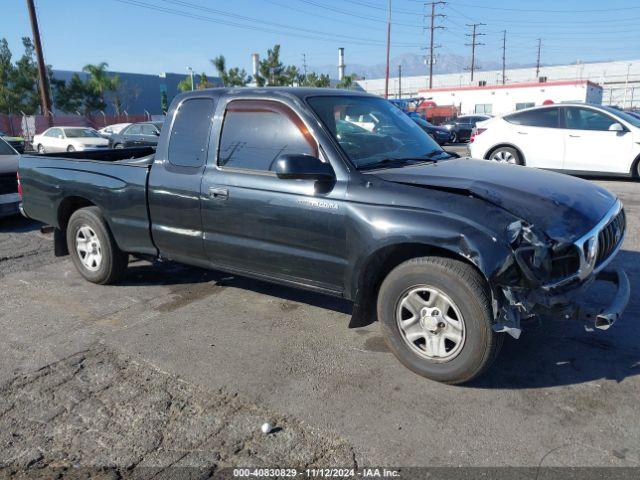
{"x": 454, "y": 138}
{"x": 436, "y": 317}
{"x": 506, "y": 155}
{"x": 93, "y": 250}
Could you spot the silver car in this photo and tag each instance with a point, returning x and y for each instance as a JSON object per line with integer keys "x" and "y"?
{"x": 8, "y": 181}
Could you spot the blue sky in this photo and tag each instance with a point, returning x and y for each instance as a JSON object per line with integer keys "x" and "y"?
{"x": 135, "y": 36}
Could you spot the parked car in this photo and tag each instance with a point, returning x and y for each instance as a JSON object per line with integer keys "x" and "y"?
{"x": 440, "y": 134}
{"x": 17, "y": 143}
{"x": 461, "y": 127}
{"x": 111, "y": 129}
{"x": 144, "y": 134}
{"x": 69, "y": 139}
{"x": 448, "y": 254}
{"x": 577, "y": 138}
{"x": 9, "y": 199}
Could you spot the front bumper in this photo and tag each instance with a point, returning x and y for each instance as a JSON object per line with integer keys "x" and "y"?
{"x": 600, "y": 317}
{"x": 603, "y": 318}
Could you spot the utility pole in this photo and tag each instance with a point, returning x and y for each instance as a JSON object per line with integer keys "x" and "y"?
{"x": 626, "y": 87}
{"x": 474, "y": 43}
{"x": 432, "y": 30}
{"x": 504, "y": 57}
{"x": 538, "y": 60}
{"x": 304, "y": 64}
{"x": 386, "y": 76}
{"x": 43, "y": 83}
{"x": 399, "y": 81}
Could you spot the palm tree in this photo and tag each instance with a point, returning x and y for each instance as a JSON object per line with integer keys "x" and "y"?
{"x": 99, "y": 79}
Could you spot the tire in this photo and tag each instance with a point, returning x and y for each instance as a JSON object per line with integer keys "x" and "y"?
{"x": 71, "y": 148}
{"x": 506, "y": 155}
{"x": 102, "y": 261}
{"x": 454, "y": 138}
{"x": 118, "y": 146}
{"x": 468, "y": 317}
{"x": 40, "y": 149}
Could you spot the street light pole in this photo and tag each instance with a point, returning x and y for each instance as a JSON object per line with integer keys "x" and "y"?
{"x": 386, "y": 77}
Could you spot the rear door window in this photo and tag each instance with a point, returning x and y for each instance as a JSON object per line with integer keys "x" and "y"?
{"x": 545, "y": 117}
{"x": 133, "y": 130}
{"x": 190, "y": 132}
{"x": 256, "y": 132}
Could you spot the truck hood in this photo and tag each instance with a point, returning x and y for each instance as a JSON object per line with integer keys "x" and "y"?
{"x": 564, "y": 207}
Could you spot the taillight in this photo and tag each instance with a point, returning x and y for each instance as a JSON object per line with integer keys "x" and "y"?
{"x": 19, "y": 186}
{"x": 475, "y": 133}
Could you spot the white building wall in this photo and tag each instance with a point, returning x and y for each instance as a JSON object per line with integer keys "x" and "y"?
{"x": 499, "y": 101}
{"x": 612, "y": 76}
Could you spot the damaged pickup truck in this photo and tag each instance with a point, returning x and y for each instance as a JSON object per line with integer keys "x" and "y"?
{"x": 342, "y": 193}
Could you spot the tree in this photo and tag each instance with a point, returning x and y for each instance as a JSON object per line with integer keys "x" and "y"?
{"x": 19, "y": 81}
{"x": 203, "y": 82}
{"x": 315, "y": 80}
{"x": 99, "y": 83}
{"x": 69, "y": 96}
{"x": 347, "y": 82}
{"x": 184, "y": 85}
{"x": 271, "y": 71}
{"x": 235, "y": 77}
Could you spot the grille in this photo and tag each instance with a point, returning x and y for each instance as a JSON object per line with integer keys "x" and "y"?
{"x": 610, "y": 237}
{"x": 8, "y": 183}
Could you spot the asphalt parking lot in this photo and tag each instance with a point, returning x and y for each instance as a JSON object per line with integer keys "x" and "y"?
{"x": 180, "y": 366}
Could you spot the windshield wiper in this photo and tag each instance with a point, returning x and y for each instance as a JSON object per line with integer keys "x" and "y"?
{"x": 387, "y": 162}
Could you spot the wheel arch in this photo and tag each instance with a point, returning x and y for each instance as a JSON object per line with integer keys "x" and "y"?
{"x": 635, "y": 168}
{"x": 377, "y": 265}
{"x": 67, "y": 207}
{"x": 490, "y": 151}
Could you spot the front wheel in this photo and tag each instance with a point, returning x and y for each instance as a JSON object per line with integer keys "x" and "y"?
{"x": 71, "y": 148}
{"x": 118, "y": 146}
{"x": 41, "y": 149}
{"x": 436, "y": 317}
{"x": 93, "y": 249}
{"x": 454, "y": 138}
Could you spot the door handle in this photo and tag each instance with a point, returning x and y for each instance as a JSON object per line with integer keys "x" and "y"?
{"x": 574, "y": 136}
{"x": 523, "y": 133}
{"x": 219, "y": 193}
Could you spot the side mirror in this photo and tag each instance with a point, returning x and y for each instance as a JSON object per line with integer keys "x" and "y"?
{"x": 304, "y": 167}
{"x": 157, "y": 133}
{"x": 616, "y": 127}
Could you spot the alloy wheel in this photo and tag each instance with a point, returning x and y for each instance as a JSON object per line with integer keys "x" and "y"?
{"x": 88, "y": 248}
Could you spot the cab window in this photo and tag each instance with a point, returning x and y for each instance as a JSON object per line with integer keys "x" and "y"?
{"x": 256, "y": 132}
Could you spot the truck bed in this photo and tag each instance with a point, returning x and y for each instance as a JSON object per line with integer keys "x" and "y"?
{"x": 113, "y": 180}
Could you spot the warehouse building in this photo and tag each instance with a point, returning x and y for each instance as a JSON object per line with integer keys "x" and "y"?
{"x": 620, "y": 80}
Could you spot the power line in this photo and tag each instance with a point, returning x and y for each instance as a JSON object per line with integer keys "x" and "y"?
{"x": 543, "y": 10}
{"x": 474, "y": 43}
{"x": 432, "y": 29}
{"x": 322, "y": 36}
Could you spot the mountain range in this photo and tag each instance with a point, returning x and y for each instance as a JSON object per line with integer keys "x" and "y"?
{"x": 414, "y": 64}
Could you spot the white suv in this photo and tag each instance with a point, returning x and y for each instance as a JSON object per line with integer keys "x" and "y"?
{"x": 578, "y": 138}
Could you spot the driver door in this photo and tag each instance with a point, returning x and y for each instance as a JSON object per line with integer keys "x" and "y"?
{"x": 254, "y": 221}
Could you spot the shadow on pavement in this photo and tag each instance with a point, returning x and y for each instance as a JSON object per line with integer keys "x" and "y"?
{"x": 18, "y": 224}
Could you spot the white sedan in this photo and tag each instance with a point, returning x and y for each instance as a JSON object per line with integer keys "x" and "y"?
{"x": 577, "y": 138}
{"x": 69, "y": 139}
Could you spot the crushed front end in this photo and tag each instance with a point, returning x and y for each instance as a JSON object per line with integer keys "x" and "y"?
{"x": 549, "y": 277}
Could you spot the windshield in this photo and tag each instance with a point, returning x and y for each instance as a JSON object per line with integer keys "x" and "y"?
{"x": 623, "y": 115}
{"x": 371, "y": 130}
{"x": 80, "y": 132}
{"x": 6, "y": 149}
